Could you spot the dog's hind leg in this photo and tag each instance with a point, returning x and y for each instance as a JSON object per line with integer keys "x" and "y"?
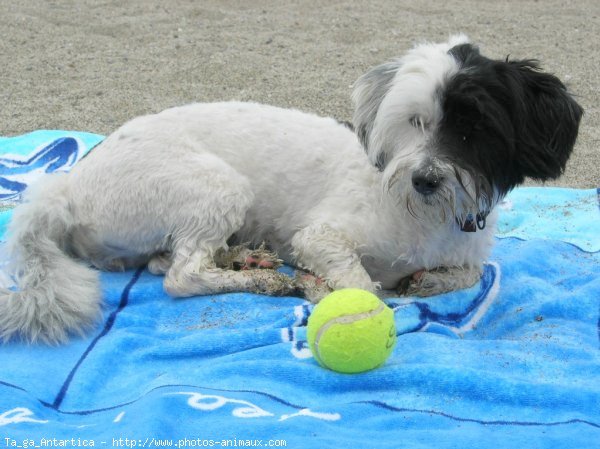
{"x": 194, "y": 272}
{"x": 207, "y": 210}
{"x": 241, "y": 257}
{"x": 160, "y": 263}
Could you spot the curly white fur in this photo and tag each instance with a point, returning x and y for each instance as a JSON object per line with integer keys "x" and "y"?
{"x": 186, "y": 181}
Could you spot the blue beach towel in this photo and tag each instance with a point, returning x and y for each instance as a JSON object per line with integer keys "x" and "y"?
{"x": 512, "y": 362}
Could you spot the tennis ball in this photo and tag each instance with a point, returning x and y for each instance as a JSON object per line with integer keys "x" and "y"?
{"x": 351, "y": 331}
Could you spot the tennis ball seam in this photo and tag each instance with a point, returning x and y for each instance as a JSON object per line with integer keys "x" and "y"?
{"x": 345, "y": 319}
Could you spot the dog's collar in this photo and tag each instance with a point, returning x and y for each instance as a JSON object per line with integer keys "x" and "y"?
{"x": 471, "y": 224}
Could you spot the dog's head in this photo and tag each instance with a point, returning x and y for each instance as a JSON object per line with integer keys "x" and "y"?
{"x": 453, "y": 131}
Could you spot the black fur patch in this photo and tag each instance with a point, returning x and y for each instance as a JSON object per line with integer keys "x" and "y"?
{"x": 506, "y": 120}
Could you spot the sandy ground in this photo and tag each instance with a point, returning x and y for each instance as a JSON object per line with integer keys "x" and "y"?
{"x": 91, "y": 65}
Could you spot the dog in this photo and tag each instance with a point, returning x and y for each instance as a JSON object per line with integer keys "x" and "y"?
{"x": 408, "y": 200}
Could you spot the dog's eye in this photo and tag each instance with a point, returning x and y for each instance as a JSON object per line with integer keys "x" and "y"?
{"x": 417, "y": 122}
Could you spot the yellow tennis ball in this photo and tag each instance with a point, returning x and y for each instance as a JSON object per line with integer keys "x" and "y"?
{"x": 351, "y": 331}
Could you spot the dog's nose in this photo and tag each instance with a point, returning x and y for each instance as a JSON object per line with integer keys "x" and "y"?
{"x": 426, "y": 180}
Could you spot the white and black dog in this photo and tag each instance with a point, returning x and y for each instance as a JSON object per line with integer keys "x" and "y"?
{"x": 442, "y": 134}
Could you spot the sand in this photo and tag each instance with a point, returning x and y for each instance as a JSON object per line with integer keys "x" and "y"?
{"x": 92, "y": 65}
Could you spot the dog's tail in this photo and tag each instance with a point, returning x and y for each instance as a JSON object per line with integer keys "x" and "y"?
{"x": 56, "y": 295}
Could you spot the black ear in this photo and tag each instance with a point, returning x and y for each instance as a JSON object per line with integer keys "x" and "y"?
{"x": 465, "y": 54}
{"x": 546, "y": 123}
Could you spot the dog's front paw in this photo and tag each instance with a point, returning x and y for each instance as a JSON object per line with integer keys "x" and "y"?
{"x": 315, "y": 288}
{"x": 439, "y": 280}
{"x": 312, "y": 287}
